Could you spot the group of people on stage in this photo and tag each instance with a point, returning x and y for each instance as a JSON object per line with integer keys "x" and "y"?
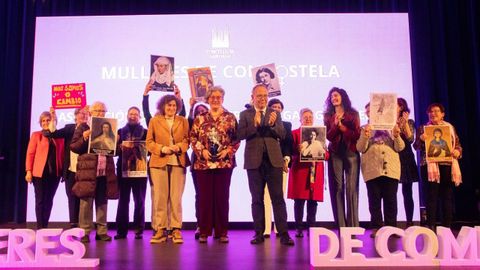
{"x": 272, "y": 155}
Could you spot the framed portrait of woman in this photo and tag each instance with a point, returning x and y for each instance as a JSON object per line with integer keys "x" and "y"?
{"x": 438, "y": 143}
{"x": 200, "y": 80}
{"x": 312, "y": 147}
{"x": 103, "y": 138}
{"x": 134, "y": 159}
{"x": 267, "y": 75}
{"x": 162, "y": 70}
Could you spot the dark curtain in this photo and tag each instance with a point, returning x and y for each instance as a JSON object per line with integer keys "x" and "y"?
{"x": 445, "y": 60}
{"x": 445, "y": 45}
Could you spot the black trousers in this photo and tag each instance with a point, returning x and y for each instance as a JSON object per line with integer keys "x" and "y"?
{"x": 45, "y": 189}
{"x": 268, "y": 175}
{"x": 137, "y": 186}
{"x": 73, "y": 201}
{"x": 408, "y": 200}
{"x": 298, "y": 207}
{"x": 382, "y": 188}
{"x": 440, "y": 193}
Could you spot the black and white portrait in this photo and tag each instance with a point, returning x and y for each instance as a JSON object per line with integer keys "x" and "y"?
{"x": 267, "y": 75}
{"x": 313, "y": 144}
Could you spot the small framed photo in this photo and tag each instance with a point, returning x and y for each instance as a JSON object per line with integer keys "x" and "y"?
{"x": 103, "y": 139}
{"x": 200, "y": 81}
{"x": 162, "y": 70}
{"x": 313, "y": 147}
{"x": 134, "y": 159}
{"x": 438, "y": 143}
{"x": 267, "y": 75}
{"x": 383, "y": 111}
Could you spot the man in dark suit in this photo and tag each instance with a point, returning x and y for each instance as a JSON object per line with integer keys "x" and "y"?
{"x": 262, "y": 128}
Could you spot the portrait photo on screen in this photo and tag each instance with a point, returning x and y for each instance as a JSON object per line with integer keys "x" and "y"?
{"x": 103, "y": 138}
{"x": 313, "y": 146}
{"x": 162, "y": 70}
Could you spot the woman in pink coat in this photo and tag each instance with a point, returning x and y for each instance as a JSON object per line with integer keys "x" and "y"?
{"x": 43, "y": 168}
{"x": 302, "y": 187}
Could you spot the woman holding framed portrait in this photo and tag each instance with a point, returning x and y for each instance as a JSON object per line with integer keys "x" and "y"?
{"x": 440, "y": 177}
{"x": 306, "y": 179}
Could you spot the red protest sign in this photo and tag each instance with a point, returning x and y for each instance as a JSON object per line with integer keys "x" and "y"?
{"x": 67, "y": 96}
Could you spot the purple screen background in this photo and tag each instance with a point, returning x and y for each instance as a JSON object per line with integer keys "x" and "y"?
{"x": 361, "y": 53}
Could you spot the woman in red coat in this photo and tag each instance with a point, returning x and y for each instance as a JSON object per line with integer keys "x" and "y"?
{"x": 43, "y": 168}
{"x": 301, "y": 186}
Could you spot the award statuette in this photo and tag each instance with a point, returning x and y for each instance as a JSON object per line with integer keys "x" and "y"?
{"x": 213, "y": 143}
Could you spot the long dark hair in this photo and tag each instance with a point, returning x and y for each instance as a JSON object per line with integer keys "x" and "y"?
{"x": 403, "y": 103}
{"x": 110, "y": 130}
{"x": 346, "y": 103}
{"x": 266, "y": 70}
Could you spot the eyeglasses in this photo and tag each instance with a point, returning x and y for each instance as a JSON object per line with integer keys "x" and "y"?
{"x": 215, "y": 97}
{"x": 261, "y": 96}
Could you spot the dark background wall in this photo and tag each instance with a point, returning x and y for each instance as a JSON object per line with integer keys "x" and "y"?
{"x": 445, "y": 46}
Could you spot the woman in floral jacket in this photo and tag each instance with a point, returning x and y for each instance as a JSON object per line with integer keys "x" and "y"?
{"x": 213, "y": 139}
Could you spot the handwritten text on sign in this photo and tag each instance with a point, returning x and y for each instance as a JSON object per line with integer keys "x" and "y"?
{"x": 67, "y": 96}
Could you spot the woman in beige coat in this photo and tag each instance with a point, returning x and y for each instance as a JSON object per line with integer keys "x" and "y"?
{"x": 167, "y": 141}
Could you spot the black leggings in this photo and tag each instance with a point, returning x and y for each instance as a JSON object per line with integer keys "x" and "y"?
{"x": 408, "y": 200}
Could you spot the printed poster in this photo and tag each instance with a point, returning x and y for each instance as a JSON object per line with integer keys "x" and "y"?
{"x": 383, "y": 111}
{"x": 267, "y": 75}
{"x": 162, "y": 70}
{"x": 103, "y": 138}
{"x": 134, "y": 159}
{"x": 200, "y": 81}
{"x": 313, "y": 146}
{"x": 438, "y": 143}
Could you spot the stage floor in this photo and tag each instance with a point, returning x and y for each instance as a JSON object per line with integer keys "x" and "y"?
{"x": 238, "y": 254}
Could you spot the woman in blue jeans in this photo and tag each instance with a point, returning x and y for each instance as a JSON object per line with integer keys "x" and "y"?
{"x": 343, "y": 130}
